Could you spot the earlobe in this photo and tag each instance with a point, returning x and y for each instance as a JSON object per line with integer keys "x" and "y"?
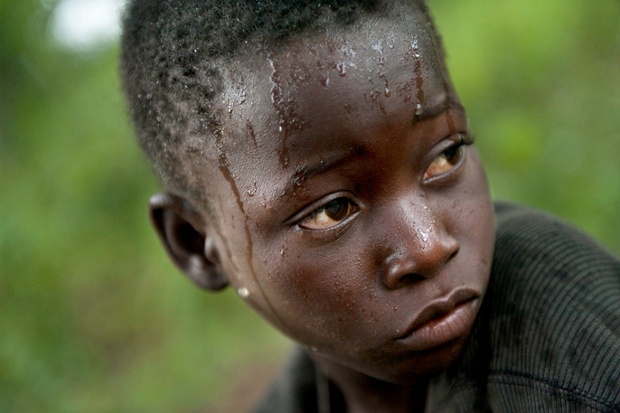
{"x": 182, "y": 232}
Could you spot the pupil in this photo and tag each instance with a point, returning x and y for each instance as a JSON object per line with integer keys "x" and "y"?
{"x": 453, "y": 153}
{"x": 336, "y": 210}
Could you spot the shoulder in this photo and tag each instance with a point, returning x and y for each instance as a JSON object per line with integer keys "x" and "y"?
{"x": 295, "y": 389}
{"x": 548, "y": 334}
{"x": 541, "y": 262}
{"x": 526, "y": 235}
{"x": 554, "y": 303}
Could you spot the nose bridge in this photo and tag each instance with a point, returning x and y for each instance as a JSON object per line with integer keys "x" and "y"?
{"x": 419, "y": 244}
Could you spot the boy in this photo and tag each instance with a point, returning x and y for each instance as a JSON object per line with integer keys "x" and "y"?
{"x": 316, "y": 157}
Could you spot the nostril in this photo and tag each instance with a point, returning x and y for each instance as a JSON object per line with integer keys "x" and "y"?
{"x": 411, "y": 278}
{"x": 400, "y": 272}
{"x": 417, "y": 265}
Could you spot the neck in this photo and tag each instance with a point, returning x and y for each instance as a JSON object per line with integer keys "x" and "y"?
{"x": 365, "y": 394}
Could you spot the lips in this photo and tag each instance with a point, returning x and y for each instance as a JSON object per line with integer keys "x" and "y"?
{"x": 442, "y": 321}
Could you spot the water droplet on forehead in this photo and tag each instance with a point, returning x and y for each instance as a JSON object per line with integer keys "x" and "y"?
{"x": 282, "y": 108}
{"x": 415, "y": 47}
{"x": 252, "y": 191}
{"x": 419, "y": 109}
{"x": 377, "y": 47}
{"x": 342, "y": 68}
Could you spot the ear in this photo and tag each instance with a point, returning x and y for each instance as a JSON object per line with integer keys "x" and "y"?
{"x": 182, "y": 232}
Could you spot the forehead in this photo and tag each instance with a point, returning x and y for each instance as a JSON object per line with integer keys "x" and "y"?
{"x": 318, "y": 93}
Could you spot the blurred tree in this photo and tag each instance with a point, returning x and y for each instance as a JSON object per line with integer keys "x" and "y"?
{"x": 91, "y": 319}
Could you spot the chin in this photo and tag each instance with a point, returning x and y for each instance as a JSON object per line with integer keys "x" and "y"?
{"x": 426, "y": 365}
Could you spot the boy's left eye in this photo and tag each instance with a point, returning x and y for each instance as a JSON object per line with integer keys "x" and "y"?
{"x": 449, "y": 159}
{"x": 330, "y": 214}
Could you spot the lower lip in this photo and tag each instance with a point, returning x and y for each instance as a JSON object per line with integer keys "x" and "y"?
{"x": 443, "y": 330}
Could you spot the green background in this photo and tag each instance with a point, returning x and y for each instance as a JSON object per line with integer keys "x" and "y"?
{"x": 94, "y": 318}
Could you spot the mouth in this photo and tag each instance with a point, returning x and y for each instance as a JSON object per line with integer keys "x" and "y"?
{"x": 443, "y": 321}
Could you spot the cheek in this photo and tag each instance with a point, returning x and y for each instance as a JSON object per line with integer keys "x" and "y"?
{"x": 473, "y": 215}
{"x": 325, "y": 300}
{"x": 248, "y": 272}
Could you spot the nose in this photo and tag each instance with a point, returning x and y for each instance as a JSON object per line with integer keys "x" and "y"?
{"x": 421, "y": 246}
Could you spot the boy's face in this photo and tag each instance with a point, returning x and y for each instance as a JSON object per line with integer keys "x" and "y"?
{"x": 347, "y": 210}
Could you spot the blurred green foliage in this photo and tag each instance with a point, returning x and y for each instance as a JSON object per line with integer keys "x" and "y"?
{"x": 541, "y": 82}
{"x": 92, "y": 315}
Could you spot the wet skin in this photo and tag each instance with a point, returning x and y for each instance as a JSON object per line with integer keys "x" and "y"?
{"x": 354, "y": 220}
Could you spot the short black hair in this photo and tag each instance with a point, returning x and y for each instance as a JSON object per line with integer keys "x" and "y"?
{"x": 172, "y": 52}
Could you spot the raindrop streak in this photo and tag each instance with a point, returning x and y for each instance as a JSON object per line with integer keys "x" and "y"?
{"x": 224, "y": 167}
{"x": 419, "y": 79}
{"x": 444, "y": 80}
{"x": 250, "y": 129}
{"x": 386, "y": 90}
{"x": 278, "y": 102}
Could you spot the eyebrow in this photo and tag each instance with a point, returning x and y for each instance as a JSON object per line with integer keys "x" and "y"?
{"x": 305, "y": 171}
{"x": 438, "y": 107}
{"x": 330, "y": 161}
